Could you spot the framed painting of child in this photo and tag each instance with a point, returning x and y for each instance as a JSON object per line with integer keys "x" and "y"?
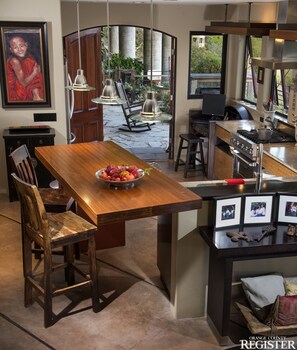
{"x": 24, "y": 61}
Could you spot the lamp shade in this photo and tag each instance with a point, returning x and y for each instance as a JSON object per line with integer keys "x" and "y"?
{"x": 109, "y": 89}
{"x": 150, "y": 106}
{"x": 80, "y": 83}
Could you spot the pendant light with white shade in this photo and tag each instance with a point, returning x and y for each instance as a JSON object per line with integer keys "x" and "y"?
{"x": 150, "y": 108}
{"x": 80, "y": 81}
{"x": 109, "y": 95}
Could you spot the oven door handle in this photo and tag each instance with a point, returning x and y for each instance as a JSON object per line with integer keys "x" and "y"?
{"x": 237, "y": 155}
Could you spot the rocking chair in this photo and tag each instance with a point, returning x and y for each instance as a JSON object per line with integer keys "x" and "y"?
{"x": 130, "y": 110}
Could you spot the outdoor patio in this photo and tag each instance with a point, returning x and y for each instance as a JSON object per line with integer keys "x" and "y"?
{"x": 148, "y": 145}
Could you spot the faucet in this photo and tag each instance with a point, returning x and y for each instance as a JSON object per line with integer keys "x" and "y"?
{"x": 272, "y": 121}
{"x": 259, "y": 174}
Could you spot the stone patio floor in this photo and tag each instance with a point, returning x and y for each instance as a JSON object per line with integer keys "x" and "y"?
{"x": 157, "y": 137}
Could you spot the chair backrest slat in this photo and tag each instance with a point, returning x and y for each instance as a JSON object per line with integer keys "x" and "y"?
{"x": 122, "y": 94}
{"x": 33, "y": 211}
{"x": 23, "y": 165}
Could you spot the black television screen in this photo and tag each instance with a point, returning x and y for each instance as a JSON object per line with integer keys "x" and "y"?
{"x": 214, "y": 105}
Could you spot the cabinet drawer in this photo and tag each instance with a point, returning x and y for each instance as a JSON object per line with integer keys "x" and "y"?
{"x": 41, "y": 141}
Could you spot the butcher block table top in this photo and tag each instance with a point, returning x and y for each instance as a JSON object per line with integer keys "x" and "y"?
{"x": 75, "y": 165}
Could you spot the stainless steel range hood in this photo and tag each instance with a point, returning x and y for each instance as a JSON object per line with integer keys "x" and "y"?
{"x": 284, "y": 52}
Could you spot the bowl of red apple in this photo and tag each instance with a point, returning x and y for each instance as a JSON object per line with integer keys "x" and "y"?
{"x": 121, "y": 176}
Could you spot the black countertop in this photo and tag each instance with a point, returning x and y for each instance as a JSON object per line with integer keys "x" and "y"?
{"x": 210, "y": 191}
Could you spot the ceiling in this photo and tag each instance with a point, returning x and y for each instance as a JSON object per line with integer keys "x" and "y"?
{"x": 178, "y": 2}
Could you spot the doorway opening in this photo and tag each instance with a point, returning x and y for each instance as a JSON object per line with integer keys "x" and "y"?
{"x": 130, "y": 62}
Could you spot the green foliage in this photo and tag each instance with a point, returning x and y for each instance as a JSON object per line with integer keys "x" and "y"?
{"x": 119, "y": 61}
{"x": 207, "y": 59}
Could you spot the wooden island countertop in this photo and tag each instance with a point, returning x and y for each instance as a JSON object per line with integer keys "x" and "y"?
{"x": 75, "y": 165}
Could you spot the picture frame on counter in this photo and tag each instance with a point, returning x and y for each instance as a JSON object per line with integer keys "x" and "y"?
{"x": 258, "y": 208}
{"x": 227, "y": 211}
{"x": 287, "y": 208}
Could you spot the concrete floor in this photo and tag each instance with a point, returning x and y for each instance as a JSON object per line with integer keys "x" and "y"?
{"x": 135, "y": 310}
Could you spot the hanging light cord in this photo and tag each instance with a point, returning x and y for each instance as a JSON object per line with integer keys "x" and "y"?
{"x": 78, "y": 33}
{"x": 226, "y": 12}
{"x": 151, "y": 30}
{"x": 108, "y": 38}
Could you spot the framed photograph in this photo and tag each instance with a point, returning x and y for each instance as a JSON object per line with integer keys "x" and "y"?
{"x": 258, "y": 209}
{"x": 24, "y": 63}
{"x": 227, "y": 211}
{"x": 287, "y": 208}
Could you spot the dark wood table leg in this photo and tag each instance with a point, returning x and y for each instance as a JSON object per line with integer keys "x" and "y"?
{"x": 219, "y": 293}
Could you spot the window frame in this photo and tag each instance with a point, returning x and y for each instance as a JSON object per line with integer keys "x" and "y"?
{"x": 248, "y": 55}
{"x": 223, "y": 63}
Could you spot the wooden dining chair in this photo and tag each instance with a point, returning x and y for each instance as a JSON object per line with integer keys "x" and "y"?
{"x": 55, "y": 200}
{"x": 49, "y": 232}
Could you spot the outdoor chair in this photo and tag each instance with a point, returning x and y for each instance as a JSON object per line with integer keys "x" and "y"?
{"x": 129, "y": 111}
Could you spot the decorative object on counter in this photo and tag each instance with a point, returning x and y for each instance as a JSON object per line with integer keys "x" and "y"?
{"x": 258, "y": 208}
{"x": 291, "y": 230}
{"x": 227, "y": 211}
{"x": 121, "y": 176}
{"x": 268, "y": 106}
{"x": 287, "y": 208}
{"x": 265, "y": 231}
{"x": 236, "y": 236}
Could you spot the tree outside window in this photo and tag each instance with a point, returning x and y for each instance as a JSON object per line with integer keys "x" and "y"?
{"x": 207, "y": 64}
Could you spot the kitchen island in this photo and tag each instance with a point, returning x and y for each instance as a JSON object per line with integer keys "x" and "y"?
{"x": 279, "y": 159}
{"x": 75, "y": 165}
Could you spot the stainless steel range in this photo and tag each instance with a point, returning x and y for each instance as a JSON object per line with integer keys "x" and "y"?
{"x": 245, "y": 155}
{"x": 244, "y": 145}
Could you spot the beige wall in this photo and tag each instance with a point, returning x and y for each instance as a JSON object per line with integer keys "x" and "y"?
{"x": 173, "y": 19}
{"x": 37, "y": 10}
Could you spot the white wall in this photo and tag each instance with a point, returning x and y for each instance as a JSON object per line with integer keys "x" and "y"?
{"x": 37, "y": 10}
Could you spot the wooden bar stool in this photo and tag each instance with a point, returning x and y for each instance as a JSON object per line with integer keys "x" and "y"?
{"x": 49, "y": 232}
{"x": 55, "y": 200}
{"x": 194, "y": 148}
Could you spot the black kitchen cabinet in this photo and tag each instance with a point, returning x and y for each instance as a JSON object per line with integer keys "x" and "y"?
{"x": 14, "y": 138}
